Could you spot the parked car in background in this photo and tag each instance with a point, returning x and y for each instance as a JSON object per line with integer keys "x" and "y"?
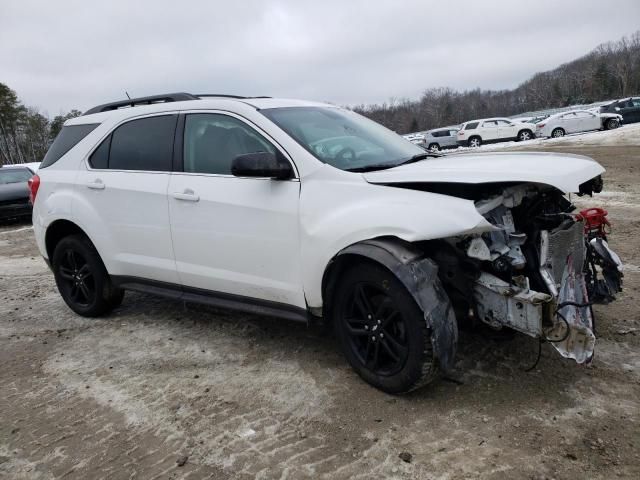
{"x": 491, "y": 130}
{"x": 14, "y": 192}
{"x": 416, "y": 139}
{"x": 629, "y": 108}
{"x": 561, "y": 124}
{"x": 441, "y": 138}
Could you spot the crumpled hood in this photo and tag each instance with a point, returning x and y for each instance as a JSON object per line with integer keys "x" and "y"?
{"x": 561, "y": 170}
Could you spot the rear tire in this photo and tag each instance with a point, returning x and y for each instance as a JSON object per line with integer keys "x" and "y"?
{"x": 474, "y": 142}
{"x": 82, "y": 279}
{"x": 525, "y": 135}
{"x": 382, "y": 330}
{"x": 557, "y": 133}
{"x": 612, "y": 124}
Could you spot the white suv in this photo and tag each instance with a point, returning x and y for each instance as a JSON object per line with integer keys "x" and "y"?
{"x": 491, "y": 130}
{"x": 304, "y": 210}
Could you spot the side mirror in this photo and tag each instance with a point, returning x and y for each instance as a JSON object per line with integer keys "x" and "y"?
{"x": 261, "y": 164}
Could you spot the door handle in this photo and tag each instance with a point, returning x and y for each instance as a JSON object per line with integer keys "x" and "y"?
{"x": 96, "y": 184}
{"x": 187, "y": 196}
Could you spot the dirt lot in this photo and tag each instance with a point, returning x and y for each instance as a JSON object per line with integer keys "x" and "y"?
{"x": 233, "y": 396}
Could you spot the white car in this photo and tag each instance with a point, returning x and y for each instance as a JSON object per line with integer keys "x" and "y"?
{"x": 576, "y": 121}
{"x": 309, "y": 211}
{"x": 490, "y": 130}
{"x": 415, "y": 138}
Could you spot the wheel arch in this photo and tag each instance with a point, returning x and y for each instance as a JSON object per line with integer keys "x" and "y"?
{"x": 417, "y": 272}
{"x": 57, "y": 230}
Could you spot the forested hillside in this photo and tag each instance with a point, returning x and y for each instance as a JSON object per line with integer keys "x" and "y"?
{"x": 25, "y": 134}
{"x": 610, "y": 71}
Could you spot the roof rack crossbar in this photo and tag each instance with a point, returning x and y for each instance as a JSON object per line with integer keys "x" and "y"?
{"x": 168, "y": 97}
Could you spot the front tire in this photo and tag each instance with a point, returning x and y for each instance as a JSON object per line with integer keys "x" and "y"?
{"x": 82, "y": 279}
{"x": 612, "y": 124}
{"x": 434, "y": 147}
{"x": 382, "y": 330}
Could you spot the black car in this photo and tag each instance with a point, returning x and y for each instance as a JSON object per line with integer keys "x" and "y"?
{"x": 14, "y": 192}
{"x": 629, "y": 108}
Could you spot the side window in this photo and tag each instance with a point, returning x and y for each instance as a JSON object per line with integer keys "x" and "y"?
{"x": 636, "y": 102}
{"x": 489, "y": 124}
{"x": 453, "y": 133}
{"x": 471, "y": 126}
{"x": 143, "y": 144}
{"x": 503, "y": 123}
{"x": 100, "y": 156}
{"x": 212, "y": 141}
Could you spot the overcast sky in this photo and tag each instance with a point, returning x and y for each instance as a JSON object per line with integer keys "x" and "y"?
{"x": 61, "y": 54}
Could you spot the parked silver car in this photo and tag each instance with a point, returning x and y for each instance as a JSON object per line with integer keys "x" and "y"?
{"x": 441, "y": 138}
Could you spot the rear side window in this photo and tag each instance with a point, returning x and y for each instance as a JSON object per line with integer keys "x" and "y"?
{"x": 14, "y": 175}
{"x": 471, "y": 126}
{"x": 68, "y": 138}
{"x": 145, "y": 144}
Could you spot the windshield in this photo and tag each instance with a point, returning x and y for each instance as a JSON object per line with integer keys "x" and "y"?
{"x": 342, "y": 138}
{"x": 14, "y": 175}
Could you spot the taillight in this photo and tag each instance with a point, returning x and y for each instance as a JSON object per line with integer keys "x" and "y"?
{"x": 34, "y": 185}
{"x": 540, "y": 125}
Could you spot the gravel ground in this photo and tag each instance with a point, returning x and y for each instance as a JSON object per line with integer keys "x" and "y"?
{"x": 160, "y": 389}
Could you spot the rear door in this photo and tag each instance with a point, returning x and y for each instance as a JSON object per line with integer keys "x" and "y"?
{"x": 233, "y": 235}
{"x": 122, "y": 196}
{"x": 633, "y": 114}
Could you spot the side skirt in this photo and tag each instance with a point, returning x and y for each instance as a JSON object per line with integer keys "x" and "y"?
{"x": 223, "y": 300}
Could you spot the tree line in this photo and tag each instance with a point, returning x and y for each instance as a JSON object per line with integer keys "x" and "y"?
{"x": 610, "y": 71}
{"x": 25, "y": 133}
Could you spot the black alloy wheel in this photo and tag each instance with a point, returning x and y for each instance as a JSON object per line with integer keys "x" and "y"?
{"x": 77, "y": 278}
{"x": 377, "y": 331}
{"x": 382, "y": 331}
{"x": 82, "y": 279}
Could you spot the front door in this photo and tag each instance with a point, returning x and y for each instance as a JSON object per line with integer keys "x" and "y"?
{"x": 233, "y": 235}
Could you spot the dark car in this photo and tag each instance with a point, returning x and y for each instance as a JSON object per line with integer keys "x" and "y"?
{"x": 629, "y": 108}
{"x": 14, "y": 192}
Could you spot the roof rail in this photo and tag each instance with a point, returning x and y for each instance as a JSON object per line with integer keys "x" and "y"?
{"x": 224, "y": 95}
{"x": 132, "y": 102}
{"x": 165, "y": 98}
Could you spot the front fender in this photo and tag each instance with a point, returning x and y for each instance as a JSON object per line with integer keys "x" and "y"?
{"x": 335, "y": 214}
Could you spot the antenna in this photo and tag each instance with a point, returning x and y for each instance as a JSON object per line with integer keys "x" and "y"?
{"x": 127, "y": 94}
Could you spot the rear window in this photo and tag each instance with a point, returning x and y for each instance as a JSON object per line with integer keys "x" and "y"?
{"x": 14, "y": 175}
{"x": 471, "y": 126}
{"x": 68, "y": 138}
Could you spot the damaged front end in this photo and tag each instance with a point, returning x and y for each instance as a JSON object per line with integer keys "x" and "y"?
{"x": 539, "y": 271}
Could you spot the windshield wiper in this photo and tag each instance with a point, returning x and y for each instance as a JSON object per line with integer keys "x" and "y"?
{"x": 383, "y": 166}
{"x": 417, "y": 157}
